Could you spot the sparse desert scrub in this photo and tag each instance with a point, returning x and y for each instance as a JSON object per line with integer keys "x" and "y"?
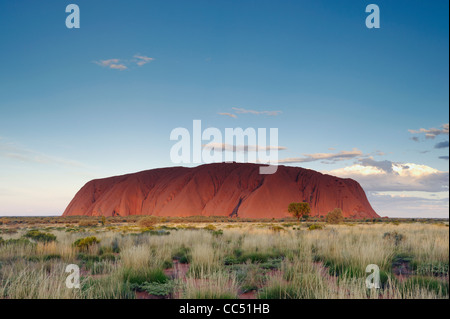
{"x": 88, "y": 223}
{"x": 27, "y": 280}
{"x": 350, "y": 249}
{"x": 146, "y": 222}
{"x": 193, "y": 262}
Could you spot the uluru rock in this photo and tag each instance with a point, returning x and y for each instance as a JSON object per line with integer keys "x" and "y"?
{"x": 220, "y": 189}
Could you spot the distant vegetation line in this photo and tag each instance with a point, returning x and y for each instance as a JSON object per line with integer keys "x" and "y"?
{"x": 8, "y": 220}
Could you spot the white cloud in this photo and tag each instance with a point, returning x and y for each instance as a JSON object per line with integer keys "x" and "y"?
{"x": 229, "y": 114}
{"x": 222, "y": 147}
{"x": 432, "y": 132}
{"x": 400, "y": 189}
{"x": 118, "y": 64}
{"x": 245, "y": 111}
{"x": 332, "y": 157}
{"x": 112, "y": 64}
{"x": 107, "y": 62}
{"x": 414, "y": 194}
{"x": 410, "y": 204}
{"x": 20, "y": 154}
{"x": 142, "y": 59}
{"x": 400, "y": 177}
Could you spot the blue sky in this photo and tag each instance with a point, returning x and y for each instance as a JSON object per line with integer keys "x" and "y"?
{"x": 360, "y": 96}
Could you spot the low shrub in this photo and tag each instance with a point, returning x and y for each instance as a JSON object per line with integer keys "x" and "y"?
{"x": 141, "y": 276}
{"x": 40, "y": 236}
{"x": 315, "y": 226}
{"x": 210, "y": 227}
{"x": 156, "y": 288}
{"x": 335, "y": 216}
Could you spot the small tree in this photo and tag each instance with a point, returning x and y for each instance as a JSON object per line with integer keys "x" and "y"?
{"x": 335, "y": 216}
{"x": 299, "y": 210}
{"x": 103, "y": 221}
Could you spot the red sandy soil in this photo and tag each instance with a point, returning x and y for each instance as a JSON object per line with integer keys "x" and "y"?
{"x": 222, "y": 189}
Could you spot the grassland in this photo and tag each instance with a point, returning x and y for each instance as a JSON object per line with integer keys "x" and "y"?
{"x": 222, "y": 258}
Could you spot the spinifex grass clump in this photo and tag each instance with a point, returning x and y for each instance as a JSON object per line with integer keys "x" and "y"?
{"x": 141, "y": 276}
{"x": 205, "y": 259}
{"x": 250, "y": 276}
{"x": 438, "y": 286}
{"x": 438, "y": 269}
{"x": 213, "y": 285}
{"x": 277, "y": 289}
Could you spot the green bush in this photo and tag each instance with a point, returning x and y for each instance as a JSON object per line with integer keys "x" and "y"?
{"x": 315, "y": 226}
{"x": 140, "y": 276}
{"x": 335, "y": 216}
{"x": 40, "y": 236}
{"x": 210, "y": 227}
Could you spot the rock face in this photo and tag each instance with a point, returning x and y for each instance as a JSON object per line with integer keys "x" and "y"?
{"x": 221, "y": 189}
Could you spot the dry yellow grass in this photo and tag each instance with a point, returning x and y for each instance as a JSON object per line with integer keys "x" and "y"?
{"x": 286, "y": 261}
